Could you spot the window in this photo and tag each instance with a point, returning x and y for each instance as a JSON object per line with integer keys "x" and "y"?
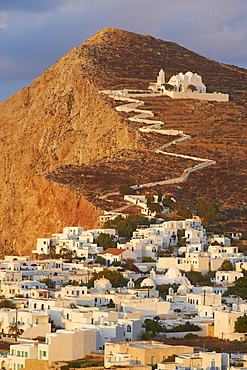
{"x": 26, "y": 354}
{"x": 22, "y": 353}
{"x": 12, "y": 352}
{"x": 128, "y": 328}
{"x": 18, "y": 353}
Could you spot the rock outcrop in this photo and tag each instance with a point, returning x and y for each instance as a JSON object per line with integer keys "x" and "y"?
{"x": 61, "y": 120}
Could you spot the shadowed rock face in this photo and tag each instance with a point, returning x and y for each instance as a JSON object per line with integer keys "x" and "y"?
{"x": 61, "y": 120}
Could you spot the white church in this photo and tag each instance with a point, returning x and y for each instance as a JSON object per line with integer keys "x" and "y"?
{"x": 180, "y": 82}
{"x": 172, "y": 276}
{"x": 184, "y": 86}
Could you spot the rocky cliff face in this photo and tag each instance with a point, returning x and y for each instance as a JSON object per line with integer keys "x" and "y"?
{"x": 62, "y": 120}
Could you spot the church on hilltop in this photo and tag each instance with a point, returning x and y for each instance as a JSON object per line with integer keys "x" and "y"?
{"x": 184, "y": 86}
{"x": 188, "y": 82}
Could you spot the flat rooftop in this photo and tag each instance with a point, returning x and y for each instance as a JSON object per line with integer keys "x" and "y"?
{"x": 150, "y": 345}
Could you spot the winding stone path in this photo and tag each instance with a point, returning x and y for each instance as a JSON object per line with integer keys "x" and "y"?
{"x": 143, "y": 116}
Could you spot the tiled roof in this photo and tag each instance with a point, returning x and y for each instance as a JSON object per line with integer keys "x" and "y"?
{"x": 114, "y": 251}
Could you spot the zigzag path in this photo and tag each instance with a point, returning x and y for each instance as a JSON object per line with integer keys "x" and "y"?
{"x": 143, "y": 116}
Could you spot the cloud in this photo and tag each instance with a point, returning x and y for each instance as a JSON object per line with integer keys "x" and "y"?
{"x": 3, "y": 19}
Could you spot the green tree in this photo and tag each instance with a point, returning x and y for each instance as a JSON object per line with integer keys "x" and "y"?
{"x": 116, "y": 278}
{"x": 197, "y": 278}
{"x": 210, "y": 89}
{"x": 207, "y": 211}
{"x": 163, "y": 289}
{"x": 125, "y": 229}
{"x": 187, "y": 326}
{"x": 149, "y": 198}
{"x": 48, "y": 282}
{"x": 100, "y": 260}
{"x": 72, "y": 282}
{"x": 160, "y": 195}
{"x": 181, "y": 238}
{"x": 192, "y": 88}
{"x": 240, "y": 288}
{"x": 147, "y": 259}
{"x": 106, "y": 241}
{"x": 137, "y": 220}
{"x": 12, "y": 329}
{"x": 116, "y": 264}
{"x": 169, "y": 87}
{"x": 129, "y": 265}
{"x": 5, "y": 303}
{"x": 155, "y": 207}
{"x": 144, "y": 335}
{"x": 167, "y": 202}
{"x": 191, "y": 336}
{"x": 181, "y": 209}
{"x": 226, "y": 266}
{"x": 152, "y": 326}
{"x": 241, "y": 324}
{"x": 125, "y": 189}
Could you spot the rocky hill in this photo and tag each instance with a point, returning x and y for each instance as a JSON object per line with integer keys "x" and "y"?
{"x": 62, "y": 142}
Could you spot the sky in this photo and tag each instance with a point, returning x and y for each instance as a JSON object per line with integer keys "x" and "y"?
{"x": 34, "y": 34}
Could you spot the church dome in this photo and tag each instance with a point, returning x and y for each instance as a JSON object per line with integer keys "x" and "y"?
{"x": 102, "y": 284}
{"x": 148, "y": 282}
{"x": 183, "y": 289}
{"x": 173, "y": 272}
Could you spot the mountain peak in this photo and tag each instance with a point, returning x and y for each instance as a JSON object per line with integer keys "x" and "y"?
{"x": 61, "y": 122}
{"x": 111, "y": 34}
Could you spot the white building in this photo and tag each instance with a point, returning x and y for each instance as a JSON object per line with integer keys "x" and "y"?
{"x": 73, "y": 239}
{"x": 201, "y": 360}
{"x": 224, "y": 322}
{"x": 185, "y": 86}
{"x": 181, "y": 82}
{"x": 172, "y": 276}
{"x": 64, "y": 345}
{"x": 67, "y": 345}
{"x": 30, "y": 324}
{"x": 117, "y": 255}
{"x": 227, "y": 277}
{"x": 19, "y": 353}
